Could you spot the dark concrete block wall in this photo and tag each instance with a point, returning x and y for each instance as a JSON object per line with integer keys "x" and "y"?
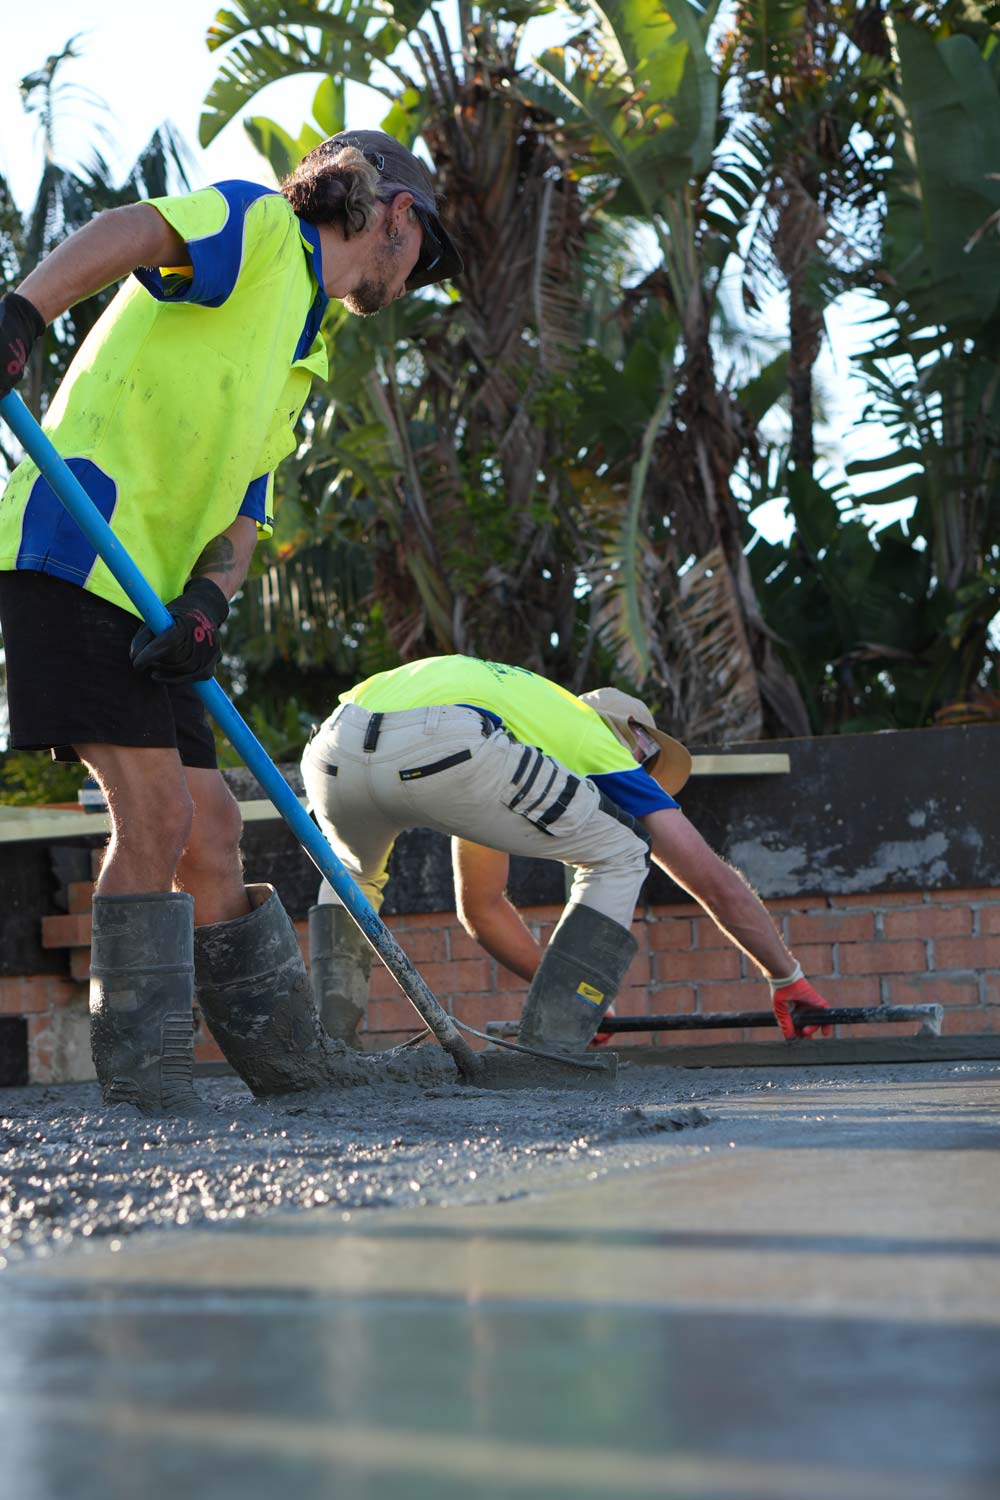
{"x": 857, "y": 814}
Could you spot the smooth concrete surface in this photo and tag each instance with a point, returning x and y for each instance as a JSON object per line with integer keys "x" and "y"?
{"x": 805, "y": 1308}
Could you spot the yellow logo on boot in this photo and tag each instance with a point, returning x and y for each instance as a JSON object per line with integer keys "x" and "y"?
{"x": 587, "y": 992}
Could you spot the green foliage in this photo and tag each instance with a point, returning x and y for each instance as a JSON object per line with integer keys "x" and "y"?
{"x": 282, "y": 152}
{"x": 946, "y": 181}
{"x": 845, "y": 166}
{"x": 29, "y": 778}
{"x": 859, "y": 631}
{"x": 643, "y": 96}
{"x": 766, "y": 388}
{"x": 932, "y": 372}
{"x": 282, "y": 730}
{"x": 269, "y": 41}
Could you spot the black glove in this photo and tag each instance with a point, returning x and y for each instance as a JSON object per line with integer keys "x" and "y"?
{"x": 20, "y": 325}
{"x": 189, "y": 650}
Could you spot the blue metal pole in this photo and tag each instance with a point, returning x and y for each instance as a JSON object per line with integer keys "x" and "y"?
{"x": 97, "y": 531}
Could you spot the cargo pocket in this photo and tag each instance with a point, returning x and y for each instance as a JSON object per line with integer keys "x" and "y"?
{"x": 543, "y": 789}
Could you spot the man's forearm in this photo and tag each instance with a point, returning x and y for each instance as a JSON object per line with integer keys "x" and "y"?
{"x": 103, "y": 251}
{"x": 736, "y": 910}
{"x": 226, "y": 558}
{"x": 743, "y": 918}
{"x": 500, "y": 930}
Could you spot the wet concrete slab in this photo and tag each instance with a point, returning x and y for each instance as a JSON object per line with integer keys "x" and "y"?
{"x": 799, "y": 1299}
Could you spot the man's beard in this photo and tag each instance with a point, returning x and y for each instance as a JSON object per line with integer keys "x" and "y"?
{"x": 371, "y": 296}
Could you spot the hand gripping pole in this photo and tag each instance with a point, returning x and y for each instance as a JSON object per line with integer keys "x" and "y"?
{"x": 76, "y": 500}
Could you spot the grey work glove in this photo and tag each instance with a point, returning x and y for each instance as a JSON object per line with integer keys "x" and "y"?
{"x": 189, "y": 649}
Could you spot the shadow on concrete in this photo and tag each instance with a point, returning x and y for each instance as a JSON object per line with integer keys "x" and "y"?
{"x": 765, "y": 1242}
{"x": 263, "y": 1395}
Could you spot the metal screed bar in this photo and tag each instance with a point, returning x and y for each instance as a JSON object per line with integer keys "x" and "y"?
{"x": 861, "y": 1015}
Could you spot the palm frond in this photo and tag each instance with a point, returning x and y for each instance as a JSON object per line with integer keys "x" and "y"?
{"x": 270, "y": 40}
{"x": 716, "y": 693}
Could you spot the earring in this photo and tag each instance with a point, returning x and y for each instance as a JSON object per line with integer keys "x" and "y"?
{"x": 393, "y": 241}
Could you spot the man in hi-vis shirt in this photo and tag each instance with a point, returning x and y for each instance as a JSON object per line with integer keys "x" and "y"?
{"x": 173, "y": 416}
{"x": 507, "y": 762}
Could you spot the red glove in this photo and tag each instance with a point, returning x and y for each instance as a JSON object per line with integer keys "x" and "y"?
{"x": 602, "y": 1038}
{"x": 797, "y": 995}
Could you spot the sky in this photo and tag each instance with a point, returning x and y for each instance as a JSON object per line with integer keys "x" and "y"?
{"x": 158, "y": 67}
{"x": 144, "y": 79}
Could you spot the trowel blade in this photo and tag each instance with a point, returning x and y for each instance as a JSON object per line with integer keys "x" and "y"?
{"x": 515, "y": 1070}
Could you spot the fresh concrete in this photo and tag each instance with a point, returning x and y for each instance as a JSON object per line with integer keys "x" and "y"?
{"x": 715, "y": 1287}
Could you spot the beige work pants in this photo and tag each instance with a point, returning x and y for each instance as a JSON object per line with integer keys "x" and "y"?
{"x": 448, "y": 768}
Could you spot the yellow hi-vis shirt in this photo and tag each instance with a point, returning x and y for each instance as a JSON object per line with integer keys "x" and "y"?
{"x": 534, "y": 710}
{"x": 183, "y": 398}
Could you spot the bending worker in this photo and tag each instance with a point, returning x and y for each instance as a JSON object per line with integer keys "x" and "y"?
{"x": 507, "y": 762}
{"x": 173, "y": 416}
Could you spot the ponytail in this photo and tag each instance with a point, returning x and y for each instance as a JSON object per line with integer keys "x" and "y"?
{"x": 334, "y": 185}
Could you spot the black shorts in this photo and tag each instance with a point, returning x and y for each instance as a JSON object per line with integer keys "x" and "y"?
{"x": 70, "y": 681}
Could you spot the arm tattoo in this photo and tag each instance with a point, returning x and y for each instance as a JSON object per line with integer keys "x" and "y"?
{"x": 219, "y": 556}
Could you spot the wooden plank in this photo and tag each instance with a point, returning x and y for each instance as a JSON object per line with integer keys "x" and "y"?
{"x": 743, "y": 764}
{"x": 834, "y": 1052}
{"x": 20, "y": 824}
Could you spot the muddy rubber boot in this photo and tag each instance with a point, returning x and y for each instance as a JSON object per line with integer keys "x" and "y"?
{"x": 254, "y": 993}
{"x": 340, "y": 965}
{"x": 576, "y": 981}
{"x": 141, "y": 994}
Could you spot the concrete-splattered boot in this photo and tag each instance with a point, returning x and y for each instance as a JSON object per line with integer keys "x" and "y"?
{"x": 340, "y": 964}
{"x": 141, "y": 993}
{"x": 254, "y": 993}
{"x": 576, "y": 981}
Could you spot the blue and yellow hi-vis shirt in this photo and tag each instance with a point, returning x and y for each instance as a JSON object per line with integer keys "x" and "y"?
{"x": 183, "y": 398}
{"x": 534, "y": 710}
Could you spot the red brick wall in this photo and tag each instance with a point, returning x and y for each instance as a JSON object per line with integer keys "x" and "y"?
{"x": 912, "y": 948}
{"x": 901, "y": 949}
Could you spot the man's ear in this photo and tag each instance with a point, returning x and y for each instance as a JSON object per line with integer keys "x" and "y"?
{"x": 399, "y": 209}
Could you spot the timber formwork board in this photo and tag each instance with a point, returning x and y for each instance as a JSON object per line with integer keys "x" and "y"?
{"x": 829, "y": 1053}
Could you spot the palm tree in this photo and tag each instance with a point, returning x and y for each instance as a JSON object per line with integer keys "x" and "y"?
{"x": 677, "y": 597}
{"x": 454, "y": 431}
{"x": 478, "y": 543}
{"x": 810, "y": 141}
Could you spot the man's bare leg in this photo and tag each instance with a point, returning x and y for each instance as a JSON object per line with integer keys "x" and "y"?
{"x": 210, "y": 868}
{"x": 151, "y": 811}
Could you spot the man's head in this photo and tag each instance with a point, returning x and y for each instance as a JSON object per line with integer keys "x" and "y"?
{"x": 630, "y": 721}
{"x": 375, "y": 192}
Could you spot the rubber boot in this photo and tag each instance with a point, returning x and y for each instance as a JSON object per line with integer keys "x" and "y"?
{"x": 254, "y": 993}
{"x": 141, "y": 994}
{"x": 576, "y": 981}
{"x": 340, "y": 965}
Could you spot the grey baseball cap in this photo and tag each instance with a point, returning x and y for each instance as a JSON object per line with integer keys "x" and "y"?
{"x": 399, "y": 168}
